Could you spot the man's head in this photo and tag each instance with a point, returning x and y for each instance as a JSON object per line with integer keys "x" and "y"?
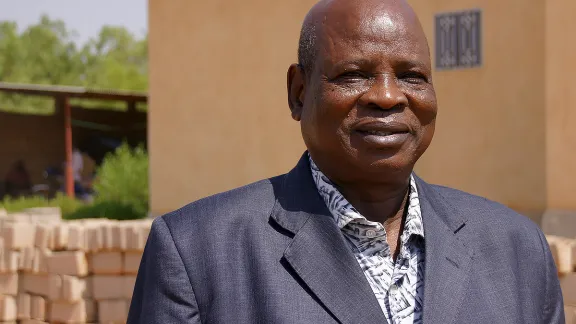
{"x": 362, "y": 90}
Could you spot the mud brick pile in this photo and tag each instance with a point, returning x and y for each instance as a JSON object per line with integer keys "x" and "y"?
{"x": 55, "y": 271}
{"x": 564, "y": 254}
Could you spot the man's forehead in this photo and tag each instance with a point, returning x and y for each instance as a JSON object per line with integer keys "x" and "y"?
{"x": 383, "y": 27}
{"x": 367, "y": 21}
{"x": 335, "y": 11}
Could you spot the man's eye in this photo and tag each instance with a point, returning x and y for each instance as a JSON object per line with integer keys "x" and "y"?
{"x": 351, "y": 76}
{"x": 414, "y": 77}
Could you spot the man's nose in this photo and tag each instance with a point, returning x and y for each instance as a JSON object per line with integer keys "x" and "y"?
{"x": 384, "y": 93}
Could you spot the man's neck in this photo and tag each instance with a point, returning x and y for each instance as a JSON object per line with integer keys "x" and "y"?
{"x": 382, "y": 204}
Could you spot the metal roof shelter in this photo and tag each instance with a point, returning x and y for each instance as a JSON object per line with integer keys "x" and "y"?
{"x": 62, "y": 96}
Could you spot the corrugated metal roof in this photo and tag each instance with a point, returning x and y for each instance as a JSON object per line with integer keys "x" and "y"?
{"x": 73, "y": 92}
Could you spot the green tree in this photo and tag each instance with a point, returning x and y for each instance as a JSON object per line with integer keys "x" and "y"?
{"x": 116, "y": 59}
{"x": 46, "y": 53}
{"x": 42, "y": 54}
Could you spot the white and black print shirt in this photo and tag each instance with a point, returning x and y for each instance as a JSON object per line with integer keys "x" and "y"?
{"x": 399, "y": 286}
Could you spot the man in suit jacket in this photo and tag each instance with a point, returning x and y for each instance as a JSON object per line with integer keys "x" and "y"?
{"x": 351, "y": 235}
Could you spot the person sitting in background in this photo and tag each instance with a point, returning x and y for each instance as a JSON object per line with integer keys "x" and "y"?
{"x": 17, "y": 181}
{"x": 77, "y": 170}
{"x": 82, "y": 169}
{"x": 77, "y": 166}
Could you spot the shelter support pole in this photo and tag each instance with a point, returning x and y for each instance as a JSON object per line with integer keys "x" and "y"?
{"x": 69, "y": 172}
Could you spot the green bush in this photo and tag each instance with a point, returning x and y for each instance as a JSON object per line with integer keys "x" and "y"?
{"x": 104, "y": 209}
{"x": 121, "y": 190}
{"x": 122, "y": 182}
{"x": 66, "y": 204}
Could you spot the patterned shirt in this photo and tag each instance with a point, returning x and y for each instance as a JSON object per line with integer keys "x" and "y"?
{"x": 398, "y": 286}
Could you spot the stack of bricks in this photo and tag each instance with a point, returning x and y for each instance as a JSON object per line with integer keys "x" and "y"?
{"x": 564, "y": 254}
{"x": 54, "y": 271}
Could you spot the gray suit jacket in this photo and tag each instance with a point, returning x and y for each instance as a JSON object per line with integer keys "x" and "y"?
{"x": 270, "y": 252}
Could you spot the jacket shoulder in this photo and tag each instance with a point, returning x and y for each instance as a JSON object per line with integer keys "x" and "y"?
{"x": 478, "y": 209}
{"x": 254, "y": 200}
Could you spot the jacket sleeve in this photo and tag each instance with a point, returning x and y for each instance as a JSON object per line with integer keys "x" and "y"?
{"x": 163, "y": 292}
{"x": 553, "y": 309}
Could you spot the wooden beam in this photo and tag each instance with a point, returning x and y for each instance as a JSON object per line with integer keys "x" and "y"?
{"x": 73, "y": 92}
{"x": 69, "y": 172}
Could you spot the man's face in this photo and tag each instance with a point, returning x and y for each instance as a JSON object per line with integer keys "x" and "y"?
{"x": 368, "y": 104}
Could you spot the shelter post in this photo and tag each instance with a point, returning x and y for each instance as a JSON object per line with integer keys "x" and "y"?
{"x": 69, "y": 173}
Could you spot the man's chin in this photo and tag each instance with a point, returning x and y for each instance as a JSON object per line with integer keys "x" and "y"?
{"x": 385, "y": 163}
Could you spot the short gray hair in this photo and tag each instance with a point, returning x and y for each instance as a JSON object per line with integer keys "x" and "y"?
{"x": 307, "y": 47}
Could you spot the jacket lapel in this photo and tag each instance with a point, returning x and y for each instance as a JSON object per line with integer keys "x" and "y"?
{"x": 448, "y": 259}
{"x": 318, "y": 253}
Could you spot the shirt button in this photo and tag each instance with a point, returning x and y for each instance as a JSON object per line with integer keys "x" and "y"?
{"x": 370, "y": 233}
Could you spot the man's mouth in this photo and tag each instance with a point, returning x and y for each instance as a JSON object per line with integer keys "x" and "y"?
{"x": 381, "y": 133}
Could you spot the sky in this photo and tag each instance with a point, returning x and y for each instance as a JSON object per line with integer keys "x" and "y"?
{"x": 86, "y": 17}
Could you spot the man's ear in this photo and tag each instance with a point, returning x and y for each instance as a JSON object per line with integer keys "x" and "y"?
{"x": 296, "y": 85}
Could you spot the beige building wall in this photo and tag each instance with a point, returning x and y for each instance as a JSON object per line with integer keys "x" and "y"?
{"x": 560, "y": 218}
{"x": 490, "y": 136}
{"x": 218, "y": 110}
{"x": 219, "y": 116}
{"x": 561, "y": 104}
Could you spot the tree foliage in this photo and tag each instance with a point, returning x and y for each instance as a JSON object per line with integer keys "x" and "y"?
{"x": 46, "y": 53}
{"x": 123, "y": 178}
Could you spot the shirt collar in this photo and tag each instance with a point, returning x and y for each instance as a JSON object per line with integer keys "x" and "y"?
{"x": 344, "y": 213}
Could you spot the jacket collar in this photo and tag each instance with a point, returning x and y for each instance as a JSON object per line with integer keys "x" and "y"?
{"x": 320, "y": 257}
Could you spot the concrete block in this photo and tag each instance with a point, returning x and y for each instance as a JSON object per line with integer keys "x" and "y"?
{"x": 43, "y": 236}
{"x": 63, "y": 312}
{"x": 19, "y": 217}
{"x": 9, "y": 262}
{"x": 17, "y": 235}
{"x": 68, "y": 263}
{"x": 134, "y": 238}
{"x": 33, "y": 321}
{"x": 7, "y": 308}
{"x": 76, "y": 237}
{"x": 568, "y": 286}
{"x": 131, "y": 262}
{"x": 107, "y": 236}
{"x": 89, "y": 292}
{"x": 53, "y": 214}
{"x": 564, "y": 253}
{"x": 94, "y": 238}
{"x": 140, "y": 234}
{"x": 9, "y": 284}
{"x": 38, "y": 308}
{"x": 126, "y": 234}
{"x": 129, "y": 282}
{"x": 129, "y": 233}
{"x": 119, "y": 241}
{"x": 91, "y": 310}
{"x": 142, "y": 231}
{"x": 74, "y": 288}
{"x": 40, "y": 261}
{"x": 108, "y": 287}
{"x": 46, "y": 285}
{"x": 112, "y": 311}
{"x": 107, "y": 263}
{"x": 570, "y": 313}
{"x": 24, "y": 307}
{"x": 60, "y": 237}
{"x": 21, "y": 277}
{"x": 26, "y": 259}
